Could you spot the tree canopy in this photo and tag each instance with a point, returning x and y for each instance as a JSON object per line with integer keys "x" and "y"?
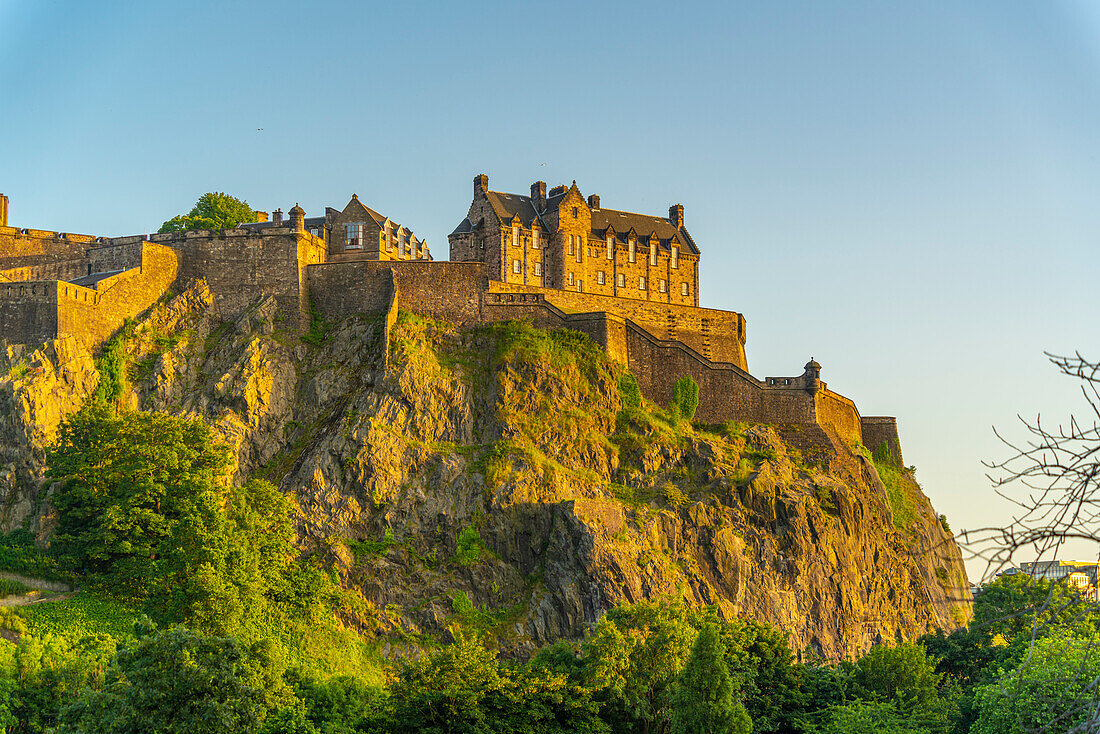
{"x": 213, "y": 210}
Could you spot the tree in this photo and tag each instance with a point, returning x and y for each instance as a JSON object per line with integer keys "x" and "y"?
{"x": 703, "y": 702}
{"x": 176, "y": 680}
{"x": 635, "y": 655}
{"x": 213, "y": 210}
{"x": 126, "y": 481}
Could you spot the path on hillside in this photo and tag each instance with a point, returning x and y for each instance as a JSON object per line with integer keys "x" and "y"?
{"x": 41, "y": 590}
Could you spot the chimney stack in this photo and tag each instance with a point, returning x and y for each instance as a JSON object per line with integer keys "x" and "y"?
{"x": 538, "y": 195}
{"x": 481, "y": 183}
{"x": 593, "y": 201}
{"x": 277, "y": 217}
{"x": 261, "y": 216}
{"x": 676, "y": 215}
{"x": 3, "y": 210}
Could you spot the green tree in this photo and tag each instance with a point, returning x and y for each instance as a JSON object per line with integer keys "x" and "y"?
{"x": 176, "y": 680}
{"x": 634, "y": 657}
{"x": 776, "y": 693}
{"x": 868, "y": 717}
{"x": 213, "y": 210}
{"x": 703, "y": 702}
{"x": 127, "y": 481}
{"x": 1053, "y": 689}
{"x": 685, "y": 398}
{"x": 905, "y": 677}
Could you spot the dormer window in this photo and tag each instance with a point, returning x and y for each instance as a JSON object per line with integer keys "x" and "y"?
{"x": 633, "y": 255}
{"x": 653, "y": 254}
{"x": 389, "y": 237}
{"x": 534, "y": 239}
{"x": 353, "y": 236}
{"x": 675, "y": 257}
{"x": 610, "y": 247}
{"x": 515, "y": 236}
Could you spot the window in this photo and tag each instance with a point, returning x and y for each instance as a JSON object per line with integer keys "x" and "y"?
{"x": 600, "y": 277}
{"x": 389, "y": 237}
{"x": 633, "y": 256}
{"x": 574, "y": 212}
{"x": 515, "y": 236}
{"x": 610, "y": 248}
{"x": 534, "y": 239}
{"x": 572, "y": 245}
{"x": 538, "y": 268}
{"x": 571, "y": 281}
{"x": 653, "y": 253}
{"x": 580, "y": 248}
{"x": 515, "y": 267}
{"x": 675, "y": 258}
{"x": 622, "y": 280}
{"x": 683, "y": 289}
{"x": 641, "y": 282}
{"x": 353, "y": 236}
{"x": 663, "y": 285}
{"x": 314, "y": 231}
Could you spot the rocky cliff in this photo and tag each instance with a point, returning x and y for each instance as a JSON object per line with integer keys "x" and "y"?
{"x": 494, "y": 477}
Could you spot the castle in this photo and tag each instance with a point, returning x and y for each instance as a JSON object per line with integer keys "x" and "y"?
{"x": 558, "y": 259}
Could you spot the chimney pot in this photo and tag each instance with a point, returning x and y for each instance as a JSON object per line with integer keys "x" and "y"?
{"x": 277, "y": 216}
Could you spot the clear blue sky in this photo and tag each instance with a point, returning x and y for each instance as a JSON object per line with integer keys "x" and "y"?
{"x": 906, "y": 192}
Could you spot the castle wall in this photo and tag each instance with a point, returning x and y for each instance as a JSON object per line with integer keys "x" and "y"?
{"x": 877, "y": 430}
{"x": 833, "y": 409}
{"x": 28, "y": 311}
{"x": 35, "y": 248}
{"x": 92, "y": 316}
{"x": 239, "y": 265}
{"x": 716, "y": 335}
{"x": 112, "y": 257}
{"x": 63, "y": 270}
{"x": 726, "y": 392}
{"x": 444, "y": 290}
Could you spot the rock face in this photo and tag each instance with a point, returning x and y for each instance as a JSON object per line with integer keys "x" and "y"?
{"x": 492, "y": 476}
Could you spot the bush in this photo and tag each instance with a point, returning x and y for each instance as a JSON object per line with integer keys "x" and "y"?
{"x": 470, "y": 547}
{"x": 685, "y": 398}
{"x": 629, "y": 391}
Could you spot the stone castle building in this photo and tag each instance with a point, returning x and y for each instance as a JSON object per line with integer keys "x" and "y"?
{"x": 558, "y": 259}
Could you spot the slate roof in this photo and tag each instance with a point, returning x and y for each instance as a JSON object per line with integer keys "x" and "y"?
{"x": 506, "y": 206}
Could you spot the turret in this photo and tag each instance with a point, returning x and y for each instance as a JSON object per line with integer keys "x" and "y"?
{"x": 298, "y": 218}
{"x": 812, "y": 376}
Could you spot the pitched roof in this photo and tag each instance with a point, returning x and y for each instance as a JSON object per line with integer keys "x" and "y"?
{"x": 506, "y": 206}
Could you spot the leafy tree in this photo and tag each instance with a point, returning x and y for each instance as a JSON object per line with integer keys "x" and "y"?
{"x": 1021, "y": 606}
{"x": 905, "y": 676}
{"x": 774, "y": 690}
{"x": 127, "y": 480}
{"x": 629, "y": 391}
{"x": 867, "y": 717}
{"x": 1053, "y": 689}
{"x": 213, "y": 210}
{"x": 634, "y": 657}
{"x": 685, "y": 398}
{"x": 703, "y": 702}
{"x": 176, "y": 680}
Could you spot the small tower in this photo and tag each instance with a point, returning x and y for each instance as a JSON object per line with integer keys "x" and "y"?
{"x": 812, "y": 376}
{"x": 298, "y": 218}
{"x": 3, "y": 210}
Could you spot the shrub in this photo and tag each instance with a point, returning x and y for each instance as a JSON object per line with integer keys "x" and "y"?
{"x": 629, "y": 391}
{"x": 685, "y": 398}
{"x": 470, "y": 547}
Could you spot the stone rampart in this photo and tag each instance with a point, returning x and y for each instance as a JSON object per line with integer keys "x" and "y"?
{"x": 113, "y": 257}
{"x": 833, "y": 409}
{"x": 37, "y": 247}
{"x": 93, "y": 315}
{"x": 716, "y": 335}
{"x": 28, "y": 311}
{"x": 879, "y": 430}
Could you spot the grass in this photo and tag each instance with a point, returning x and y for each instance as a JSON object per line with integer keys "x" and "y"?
{"x": 9, "y": 587}
{"x": 19, "y": 370}
{"x": 82, "y": 615}
{"x": 898, "y": 483}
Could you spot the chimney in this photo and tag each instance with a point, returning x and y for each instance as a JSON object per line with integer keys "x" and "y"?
{"x": 3, "y": 210}
{"x": 277, "y": 216}
{"x": 593, "y": 201}
{"x": 676, "y": 215}
{"x": 538, "y": 195}
{"x": 261, "y": 216}
{"x": 557, "y": 191}
{"x": 481, "y": 183}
